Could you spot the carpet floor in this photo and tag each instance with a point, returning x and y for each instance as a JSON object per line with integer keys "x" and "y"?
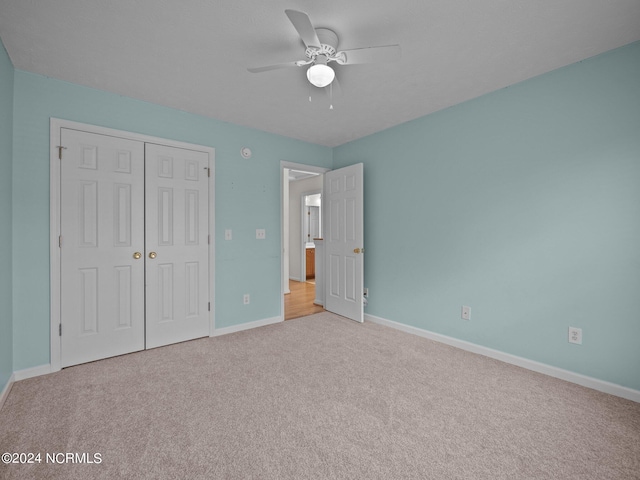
{"x": 320, "y": 397}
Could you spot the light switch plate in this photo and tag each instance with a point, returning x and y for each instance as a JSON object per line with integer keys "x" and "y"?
{"x": 261, "y": 233}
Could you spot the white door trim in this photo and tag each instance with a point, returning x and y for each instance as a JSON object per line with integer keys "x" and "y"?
{"x": 54, "y": 217}
{"x": 293, "y": 166}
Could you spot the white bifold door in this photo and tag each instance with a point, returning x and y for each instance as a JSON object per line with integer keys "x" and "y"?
{"x": 134, "y": 262}
{"x": 176, "y": 244}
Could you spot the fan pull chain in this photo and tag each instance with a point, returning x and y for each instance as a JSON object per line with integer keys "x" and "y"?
{"x": 331, "y": 96}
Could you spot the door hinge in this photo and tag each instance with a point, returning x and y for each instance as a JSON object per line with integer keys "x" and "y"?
{"x": 209, "y": 307}
{"x": 209, "y": 239}
{"x": 60, "y": 148}
{"x": 208, "y": 171}
{"x": 59, "y": 329}
{"x": 59, "y": 241}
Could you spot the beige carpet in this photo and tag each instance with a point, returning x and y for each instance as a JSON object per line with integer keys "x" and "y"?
{"x": 319, "y": 397}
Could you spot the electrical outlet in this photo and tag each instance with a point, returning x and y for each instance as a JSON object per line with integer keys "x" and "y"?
{"x": 246, "y": 299}
{"x": 466, "y": 313}
{"x": 227, "y": 234}
{"x": 575, "y": 335}
{"x": 261, "y": 233}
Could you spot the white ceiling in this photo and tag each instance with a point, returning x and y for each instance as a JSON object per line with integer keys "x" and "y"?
{"x": 193, "y": 54}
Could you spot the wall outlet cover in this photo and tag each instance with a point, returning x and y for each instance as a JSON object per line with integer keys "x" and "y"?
{"x": 575, "y": 335}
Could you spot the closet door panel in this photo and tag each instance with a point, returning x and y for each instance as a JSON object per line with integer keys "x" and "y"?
{"x": 102, "y": 228}
{"x": 177, "y": 250}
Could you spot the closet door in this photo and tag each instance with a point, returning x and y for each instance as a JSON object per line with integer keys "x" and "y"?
{"x": 177, "y": 250}
{"x": 101, "y": 247}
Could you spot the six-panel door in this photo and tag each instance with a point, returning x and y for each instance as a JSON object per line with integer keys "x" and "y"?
{"x": 344, "y": 234}
{"x": 102, "y": 227}
{"x": 177, "y": 234}
{"x": 130, "y": 216}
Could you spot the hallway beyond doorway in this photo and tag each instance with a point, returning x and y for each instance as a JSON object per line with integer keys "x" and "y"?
{"x": 299, "y": 302}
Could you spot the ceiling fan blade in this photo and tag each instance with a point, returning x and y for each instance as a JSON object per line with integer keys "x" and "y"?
{"x": 273, "y": 67}
{"x": 386, "y": 53}
{"x": 303, "y": 26}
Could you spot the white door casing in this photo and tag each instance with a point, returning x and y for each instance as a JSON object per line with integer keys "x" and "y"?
{"x": 176, "y": 244}
{"x": 344, "y": 236}
{"x": 101, "y": 205}
{"x": 102, "y": 228}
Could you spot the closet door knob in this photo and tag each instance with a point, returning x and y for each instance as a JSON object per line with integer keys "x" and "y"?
{"x": 137, "y": 255}
{"x": 152, "y": 255}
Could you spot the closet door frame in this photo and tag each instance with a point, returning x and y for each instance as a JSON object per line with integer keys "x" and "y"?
{"x": 56, "y": 125}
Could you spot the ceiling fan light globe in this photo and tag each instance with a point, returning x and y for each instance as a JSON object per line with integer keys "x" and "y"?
{"x": 320, "y": 75}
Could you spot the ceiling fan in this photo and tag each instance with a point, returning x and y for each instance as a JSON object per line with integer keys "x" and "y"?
{"x": 321, "y": 49}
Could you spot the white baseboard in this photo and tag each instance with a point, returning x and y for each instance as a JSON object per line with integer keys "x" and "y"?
{"x": 246, "y": 326}
{"x": 22, "y": 375}
{"x": 45, "y": 369}
{"x": 32, "y": 372}
{"x": 569, "y": 376}
{"x": 6, "y": 390}
{"x": 295, "y": 279}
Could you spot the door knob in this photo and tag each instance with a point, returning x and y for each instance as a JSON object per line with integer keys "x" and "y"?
{"x": 152, "y": 255}
{"x": 356, "y": 250}
{"x": 137, "y": 255}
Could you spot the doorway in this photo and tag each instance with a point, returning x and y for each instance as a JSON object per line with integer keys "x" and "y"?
{"x": 301, "y": 223}
{"x": 341, "y": 289}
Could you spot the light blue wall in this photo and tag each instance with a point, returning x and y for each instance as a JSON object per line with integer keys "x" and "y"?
{"x": 523, "y": 204}
{"x": 6, "y": 134}
{"x": 247, "y": 197}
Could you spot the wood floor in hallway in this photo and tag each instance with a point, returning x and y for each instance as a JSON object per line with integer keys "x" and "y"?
{"x": 299, "y": 302}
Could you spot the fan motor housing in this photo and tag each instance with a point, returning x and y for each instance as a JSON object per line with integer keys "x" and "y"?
{"x": 328, "y": 44}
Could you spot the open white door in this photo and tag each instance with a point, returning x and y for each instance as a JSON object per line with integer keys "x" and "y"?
{"x": 344, "y": 266}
